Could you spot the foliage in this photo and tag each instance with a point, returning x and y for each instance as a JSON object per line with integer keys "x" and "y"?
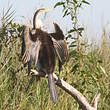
{"x": 71, "y": 8}
{"x": 17, "y": 92}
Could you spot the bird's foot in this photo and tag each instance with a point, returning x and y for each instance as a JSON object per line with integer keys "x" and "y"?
{"x": 34, "y": 72}
{"x": 40, "y": 73}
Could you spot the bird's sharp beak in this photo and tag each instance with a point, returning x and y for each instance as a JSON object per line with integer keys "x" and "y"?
{"x": 47, "y": 10}
{"x": 54, "y": 23}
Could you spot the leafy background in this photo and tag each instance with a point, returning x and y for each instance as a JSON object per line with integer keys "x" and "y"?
{"x": 87, "y": 69}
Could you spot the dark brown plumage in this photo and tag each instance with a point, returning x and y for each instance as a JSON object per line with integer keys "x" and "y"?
{"x": 60, "y": 45}
{"x": 42, "y": 48}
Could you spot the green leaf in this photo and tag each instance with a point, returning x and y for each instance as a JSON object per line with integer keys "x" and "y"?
{"x": 103, "y": 70}
{"x": 84, "y": 1}
{"x": 73, "y": 42}
{"x": 69, "y": 36}
{"x": 79, "y": 5}
{"x": 80, "y": 29}
{"x": 75, "y": 1}
{"x": 73, "y": 46}
{"x": 59, "y": 4}
{"x": 67, "y": 1}
{"x": 100, "y": 61}
{"x": 65, "y": 13}
{"x": 75, "y": 67}
{"x": 8, "y": 11}
{"x": 72, "y": 30}
{"x": 82, "y": 44}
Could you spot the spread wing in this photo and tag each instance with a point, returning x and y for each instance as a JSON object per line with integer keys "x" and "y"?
{"x": 30, "y": 49}
{"x": 60, "y": 45}
{"x": 61, "y": 49}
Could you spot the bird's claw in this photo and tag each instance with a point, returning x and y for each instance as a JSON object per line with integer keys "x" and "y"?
{"x": 34, "y": 72}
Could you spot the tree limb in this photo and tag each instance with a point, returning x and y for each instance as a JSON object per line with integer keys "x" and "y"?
{"x": 82, "y": 101}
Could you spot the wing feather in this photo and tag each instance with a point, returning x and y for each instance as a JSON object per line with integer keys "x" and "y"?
{"x": 30, "y": 48}
{"x": 61, "y": 49}
{"x": 60, "y": 45}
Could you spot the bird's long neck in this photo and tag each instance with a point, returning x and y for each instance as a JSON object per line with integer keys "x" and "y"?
{"x": 35, "y": 19}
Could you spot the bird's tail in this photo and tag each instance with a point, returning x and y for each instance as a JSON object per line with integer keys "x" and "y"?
{"x": 52, "y": 87}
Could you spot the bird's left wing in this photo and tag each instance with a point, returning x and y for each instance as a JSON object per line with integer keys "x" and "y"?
{"x": 60, "y": 45}
{"x": 61, "y": 49}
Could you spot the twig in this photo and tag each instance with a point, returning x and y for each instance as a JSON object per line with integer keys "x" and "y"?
{"x": 82, "y": 101}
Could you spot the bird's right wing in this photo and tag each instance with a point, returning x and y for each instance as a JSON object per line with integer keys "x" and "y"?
{"x": 25, "y": 45}
{"x": 30, "y": 49}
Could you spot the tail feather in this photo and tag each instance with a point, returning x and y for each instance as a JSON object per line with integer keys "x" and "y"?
{"x": 52, "y": 87}
{"x": 59, "y": 66}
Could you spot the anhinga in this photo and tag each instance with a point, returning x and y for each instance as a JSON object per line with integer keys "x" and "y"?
{"x": 42, "y": 48}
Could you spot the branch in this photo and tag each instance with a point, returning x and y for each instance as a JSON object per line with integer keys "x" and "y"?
{"x": 82, "y": 101}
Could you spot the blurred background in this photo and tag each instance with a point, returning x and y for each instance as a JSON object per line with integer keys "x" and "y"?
{"x": 94, "y": 17}
{"x": 86, "y": 26}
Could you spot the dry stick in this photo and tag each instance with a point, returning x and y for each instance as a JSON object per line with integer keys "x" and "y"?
{"x": 82, "y": 101}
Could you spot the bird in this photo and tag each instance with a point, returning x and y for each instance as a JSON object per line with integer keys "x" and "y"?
{"x": 37, "y": 24}
{"x": 42, "y": 48}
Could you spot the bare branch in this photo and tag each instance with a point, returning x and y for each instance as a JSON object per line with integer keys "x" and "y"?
{"x": 82, "y": 101}
{"x": 96, "y": 99}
